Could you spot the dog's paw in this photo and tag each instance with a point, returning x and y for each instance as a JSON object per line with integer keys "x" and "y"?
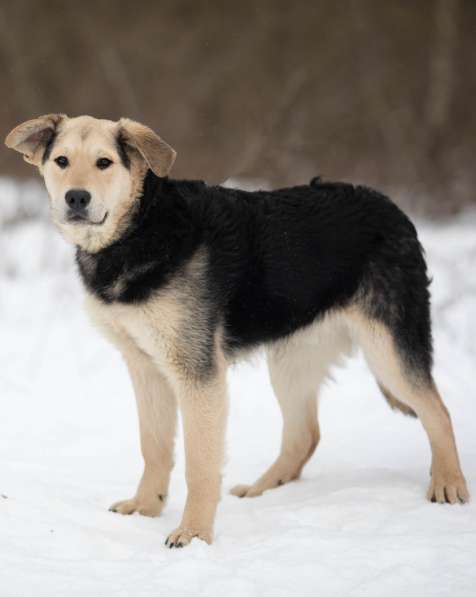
{"x": 152, "y": 506}
{"x": 246, "y": 491}
{"x": 183, "y": 536}
{"x": 451, "y": 489}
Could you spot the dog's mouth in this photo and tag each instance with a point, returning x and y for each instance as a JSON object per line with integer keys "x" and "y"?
{"x": 75, "y": 218}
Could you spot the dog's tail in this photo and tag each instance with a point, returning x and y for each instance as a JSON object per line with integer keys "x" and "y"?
{"x": 316, "y": 181}
{"x": 394, "y": 403}
{"x": 329, "y": 185}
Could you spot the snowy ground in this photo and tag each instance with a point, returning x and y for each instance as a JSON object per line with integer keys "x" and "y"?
{"x": 355, "y": 524}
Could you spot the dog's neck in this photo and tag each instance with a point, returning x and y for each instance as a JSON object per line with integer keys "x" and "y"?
{"x": 155, "y": 240}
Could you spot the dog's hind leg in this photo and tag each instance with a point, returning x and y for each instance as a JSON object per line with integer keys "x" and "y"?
{"x": 403, "y": 370}
{"x": 157, "y": 409}
{"x": 297, "y": 368}
{"x": 394, "y": 403}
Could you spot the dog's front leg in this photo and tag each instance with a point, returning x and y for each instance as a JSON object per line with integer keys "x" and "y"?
{"x": 157, "y": 411}
{"x": 203, "y": 405}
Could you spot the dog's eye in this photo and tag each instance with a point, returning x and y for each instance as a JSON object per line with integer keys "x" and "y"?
{"x": 103, "y": 163}
{"x": 62, "y": 161}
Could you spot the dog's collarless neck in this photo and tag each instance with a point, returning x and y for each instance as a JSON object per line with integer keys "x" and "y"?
{"x": 152, "y": 247}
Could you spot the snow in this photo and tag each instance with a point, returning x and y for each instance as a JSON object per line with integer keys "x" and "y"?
{"x": 356, "y": 523}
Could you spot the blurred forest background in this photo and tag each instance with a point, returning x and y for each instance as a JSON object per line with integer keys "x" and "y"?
{"x": 380, "y": 93}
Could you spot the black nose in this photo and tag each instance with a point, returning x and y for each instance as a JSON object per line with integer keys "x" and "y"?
{"x": 77, "y": 199}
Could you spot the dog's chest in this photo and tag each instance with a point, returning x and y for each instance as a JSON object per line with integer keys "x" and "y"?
{"x": 112, "y": 279}
{"x": 152, "y": 326}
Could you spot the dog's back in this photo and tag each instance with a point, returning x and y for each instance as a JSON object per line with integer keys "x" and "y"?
{"x": 280, "y": 259}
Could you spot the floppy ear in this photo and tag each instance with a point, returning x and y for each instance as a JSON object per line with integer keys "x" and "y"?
{"x": 156, "y": 152}
{"x": 33, "y": 135}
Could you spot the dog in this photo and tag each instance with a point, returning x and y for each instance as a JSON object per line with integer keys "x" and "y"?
{"x": 186, "y": 278}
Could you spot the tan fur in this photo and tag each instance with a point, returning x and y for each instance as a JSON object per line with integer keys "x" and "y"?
{"x": 204, "y": 409}
{"x": 158, "y": 154}
{"x": 30, "y": 137}
{"x": 146, "y": 351}
{"x": 394, "y": 403}
{"x": 298, "y": 366}
{"x": 157, "y": 410}
{"x": 83, "y": 140}
{"x": 383, "y": 359}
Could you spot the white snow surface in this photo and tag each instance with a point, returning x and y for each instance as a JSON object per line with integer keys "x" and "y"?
{"x": 356, "y": 523}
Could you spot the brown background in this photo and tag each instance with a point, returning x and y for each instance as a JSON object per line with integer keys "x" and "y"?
{"x": 376, "y": 92}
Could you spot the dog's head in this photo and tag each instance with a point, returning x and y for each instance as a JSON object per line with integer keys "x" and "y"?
{"x": 93, "y": 170}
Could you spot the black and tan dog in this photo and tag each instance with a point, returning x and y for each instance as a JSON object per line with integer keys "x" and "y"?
{"x": 185, "y": 278}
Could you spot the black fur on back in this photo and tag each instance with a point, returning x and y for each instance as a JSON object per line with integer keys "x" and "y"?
{"x": 276, "y": 260}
